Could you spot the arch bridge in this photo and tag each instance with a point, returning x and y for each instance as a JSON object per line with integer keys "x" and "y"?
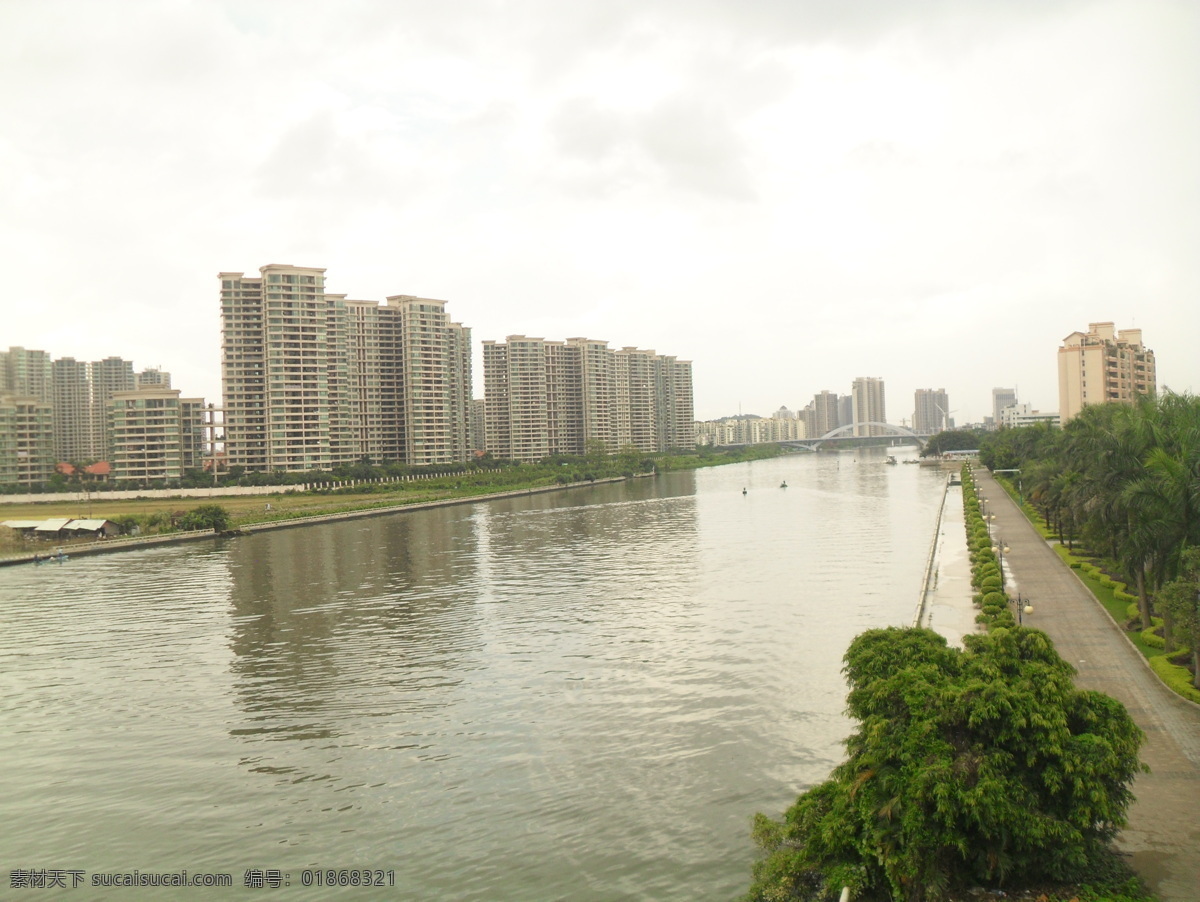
{"x": 846, "y": 434}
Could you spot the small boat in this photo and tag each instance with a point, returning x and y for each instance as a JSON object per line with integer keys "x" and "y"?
{"x": 891, "y": 460}
{"x": 783, "y": 485}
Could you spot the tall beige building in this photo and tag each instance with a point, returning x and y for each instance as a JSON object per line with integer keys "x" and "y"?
{"x": 634, "y": 397}
{"x": 930, "y": 408}
{"x": 868, "y": 405}
{"x": 552, "y": 397}
{"x": 313, "y": 380}
{"x": 675, "y": 426}
{"x": 435, "y": 382}
{"x": 275, "y": 369}
{"x": 1103, "y": 365}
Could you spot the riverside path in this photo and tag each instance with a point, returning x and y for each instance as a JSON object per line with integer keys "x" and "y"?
{"x": 1163, "y": 834}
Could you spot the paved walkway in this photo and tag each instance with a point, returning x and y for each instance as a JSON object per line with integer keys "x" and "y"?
{"x": 1163, "y": 835}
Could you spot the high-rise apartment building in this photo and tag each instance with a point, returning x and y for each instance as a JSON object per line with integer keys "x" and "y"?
{"x": 868, "y": 404}
{"x": 313, "y": 380}
{"x": 147, "y": 429}
{"x": 274, "y": 369}
{"x": 635, "y": 406}
{"x": 74, "y": 413}
{"x": 109, "y": 376}
{"x": 675, "y": 402}
{"x": 551, "y": 397}
{"x": 26, "y": 440}
{"x": 26, "y": 417}
{"x": 435, "y": 378}
{"x": 153, "y": 378}
{"x": 1103, "y": 365}
{"x": 930, "y": 411}
{"x": 26, "y": 374}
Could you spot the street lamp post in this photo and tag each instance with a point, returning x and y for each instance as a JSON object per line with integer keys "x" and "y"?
{"x": 1023, "y": 607}
{"x": 1000, "y": 549}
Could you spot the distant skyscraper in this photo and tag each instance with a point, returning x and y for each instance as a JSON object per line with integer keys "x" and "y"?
{"x": 1001, "y": 398}
{"x": 869, "y": 405}
{"x": 845, "y": 410}
{"x": 930, "y": 408}
{"x": 826, "y": 415}
{"x": 1103, "y": 365}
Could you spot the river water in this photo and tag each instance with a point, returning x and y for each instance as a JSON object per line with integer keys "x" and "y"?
{"x": 580, "y": 695}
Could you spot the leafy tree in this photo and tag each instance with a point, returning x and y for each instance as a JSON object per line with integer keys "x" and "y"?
{"x": 1181, "y": 599}
{"x": 952, "y": 440}
{"x": 206, "y": 516}
{"x": 967, "y": 767}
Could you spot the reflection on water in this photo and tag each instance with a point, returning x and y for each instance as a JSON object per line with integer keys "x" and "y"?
{"x": 579, "y": 695}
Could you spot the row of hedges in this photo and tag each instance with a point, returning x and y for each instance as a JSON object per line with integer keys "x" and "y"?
{"x": 986, "y": 575}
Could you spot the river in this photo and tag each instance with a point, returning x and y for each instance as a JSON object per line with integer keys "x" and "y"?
{"x": 581, "y": 695}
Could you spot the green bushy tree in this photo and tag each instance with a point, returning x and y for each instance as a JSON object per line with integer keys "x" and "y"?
{"x": 206, "y": 516}
{"x": 967, "y": 767}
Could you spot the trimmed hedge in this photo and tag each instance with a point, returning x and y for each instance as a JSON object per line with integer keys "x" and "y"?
{"x": 1179, "y": 679}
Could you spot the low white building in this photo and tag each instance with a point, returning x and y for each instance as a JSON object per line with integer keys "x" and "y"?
{"x": 1016, "y": 415}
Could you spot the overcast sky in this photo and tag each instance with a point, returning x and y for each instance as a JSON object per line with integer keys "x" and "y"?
{"x": 788, "y": 193}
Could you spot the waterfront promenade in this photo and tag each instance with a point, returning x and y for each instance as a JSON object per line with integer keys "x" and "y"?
{"x": 1163, "y": 834}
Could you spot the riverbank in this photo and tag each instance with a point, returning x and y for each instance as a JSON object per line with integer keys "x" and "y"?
{"x": 127, "y": 543}
{"x": 946, "y": 604}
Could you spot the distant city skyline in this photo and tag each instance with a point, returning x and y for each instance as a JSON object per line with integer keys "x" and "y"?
{"x": 789, "y": 195}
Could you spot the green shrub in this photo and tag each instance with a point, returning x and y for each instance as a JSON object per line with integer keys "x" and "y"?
{"x": 1120, "y": 595}
{"x": 995, "y": 598}
{"x": 1152, "y": 638}
{"x": 1075, "y": 565}
{"x": 1179, "y": 679}
{"x": 206, "y": 516}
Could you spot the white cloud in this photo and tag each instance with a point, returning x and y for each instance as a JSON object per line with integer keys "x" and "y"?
{"x": 788, "y": 193}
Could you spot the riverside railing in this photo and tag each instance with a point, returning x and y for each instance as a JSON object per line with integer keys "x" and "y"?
{"x": 931, "y": 561}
